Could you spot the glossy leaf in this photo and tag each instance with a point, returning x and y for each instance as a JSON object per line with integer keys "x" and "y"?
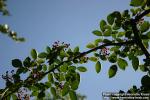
{"x": 102, "y": 25}
{"x": 112, "y": 71}
{"x": 135, "y": 63}
{"x": 98, "y": 67}
{"x": 72, "y": 95}
{"x": 42, "y": 55}
{"x": 81, "y": 69}
{"x": 34, "y": 54}
{"x": 122, "y": 63}
{"x": 90, "y": 46}
{"x": 110, "y": 18}
{"x": 97, "y": 33}
{"x": 16, "y": 63}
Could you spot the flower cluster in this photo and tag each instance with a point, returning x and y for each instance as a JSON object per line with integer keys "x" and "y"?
{"x": 57, "y": 45}
{"x": 104, "y": 51}
{"x": 23, "y": 94}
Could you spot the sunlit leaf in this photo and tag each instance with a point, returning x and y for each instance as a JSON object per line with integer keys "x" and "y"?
{"x": 112, "y": 71}
{"x": 136, "y": 3}
{"x": 82, "y": 69}
{"x": 90, "y": 46}
{"x": 94, "y": 59}
{"x": 34, "y": 54}
{"x": 102, "y": 25}
{"x": 97, "y": 33}
{"x": 98, "y": 67}
{"x": 122, "y": 63}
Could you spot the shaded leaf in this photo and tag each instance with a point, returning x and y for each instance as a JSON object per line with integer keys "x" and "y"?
{"x": 110, "y": 18}
{"x": 72, "y": 95}
{"x": 112, "y": 71}
{"x": 53, "y": 91}
{"x": 65, "y": 89}
{"x": 98, "y": 67}
{"x": 145, "y": 81}
{"x": 16, "y": 63}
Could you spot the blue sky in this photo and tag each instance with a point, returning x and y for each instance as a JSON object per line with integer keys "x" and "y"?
{"x": 42, "y": 22}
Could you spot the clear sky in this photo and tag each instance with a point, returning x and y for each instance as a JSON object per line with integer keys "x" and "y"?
{"x": 42, "y": 22}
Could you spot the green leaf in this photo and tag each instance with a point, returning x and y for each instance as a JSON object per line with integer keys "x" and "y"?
{"x": 97, "y": 41}
{"x": 122, "y": 63}
{"x": 110, "y": 18}
{"x": 72, "y": 95}
{"x": 145, "y": 81}
{"x": 82, "y": 69}
{"x": 144, "y": 26}
{"x": 76, "y": 49}
{"x": 120, "y": 34}
{"x": 16, "y": 63}
{"x": 34, "y": 54}
{"x": 108, "y": 32}
{"x": 44, "y": 67}
{"x": 48, "y": 49}
{"x": 42, "y": 55}
{"x": 65, "y": 89}
{"x": 136, "y": 3}
{"x": 53, "y": 91}
{"x": 75, "y": 84}
{"x": 94, "y": 59}
{"x": 98, "y": 67}
{"x": 14, "y": 97}
{"x": 102, "y": 25}
{"x": 112, "y": 71}
{"x": 112, "y": 58}
{"x": 50, "y": 78}
{"x": 90, "y": 46}
{"x": 97, "y": 33}
{"x": 135, "y": 63}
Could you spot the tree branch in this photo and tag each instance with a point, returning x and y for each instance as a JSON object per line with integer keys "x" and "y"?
{"x": 89, "y": 51}
{"x": 137, "y": 37}
{"x": 138, "y": 17}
